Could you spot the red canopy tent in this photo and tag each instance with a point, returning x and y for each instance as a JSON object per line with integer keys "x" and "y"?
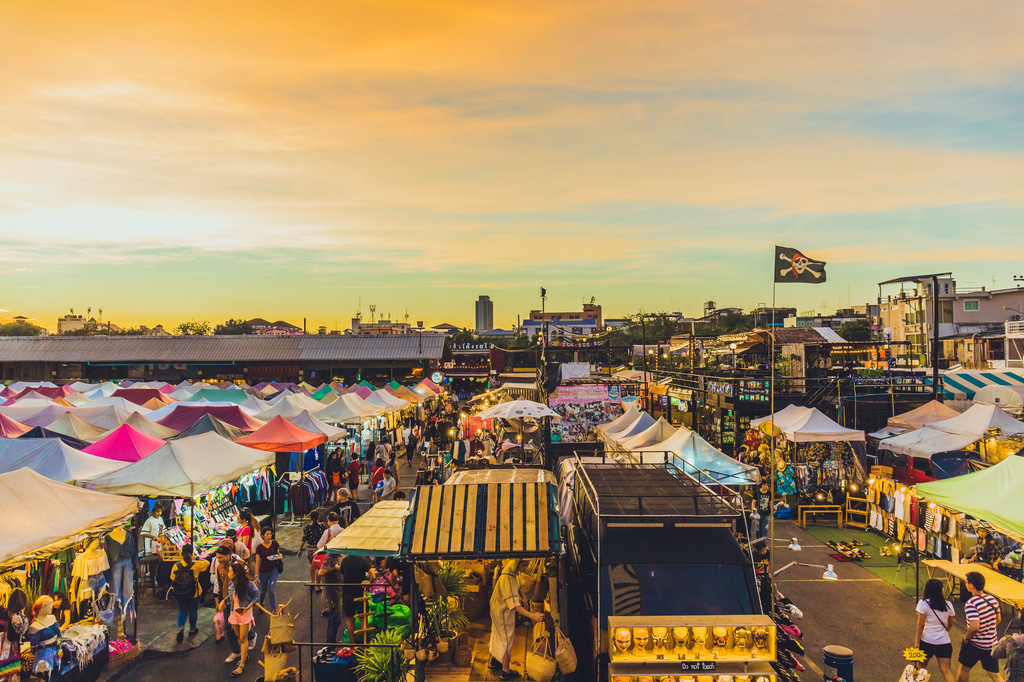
{"x": 280, "y": 435}
{"x": 43, "y": 392}
{"x": 184, "y": 416}
{"x": 10, "y": 428}
{"x": 124, "y": 444}
{"x": 140, "y": 396}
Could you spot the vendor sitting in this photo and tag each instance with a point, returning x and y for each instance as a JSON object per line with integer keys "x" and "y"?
{"x": 986, "y": 551}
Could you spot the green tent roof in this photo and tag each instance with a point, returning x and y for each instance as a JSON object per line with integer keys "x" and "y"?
{"x": 220, "y": 394}
{"x": 992, "y": 494}
{"x": 394, "y": 385}
{"x": 366, "y": 383}
{"x": 323, "y": 392}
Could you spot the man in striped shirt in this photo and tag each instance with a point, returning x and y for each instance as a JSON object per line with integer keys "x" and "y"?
{"x": 982, "y": 613}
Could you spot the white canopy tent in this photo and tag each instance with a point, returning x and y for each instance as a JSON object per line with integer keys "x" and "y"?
{"x": 348, "y": 409}
{"x": 289, "y": 405}
{"x": 1010, "y": 398}
{"x": 71, "y": 515}
{"x": 53, "y": 458}
{"x": 622, "y": 421}
{"x": 183, "y": 468}
{"x": 698, "y": 458}
{"x": 639, "y": 425}
{"x": 809, "y": 425}
{"x": 657, "y": 432}
{"x": 932, "y": 411}
{"x": 305, "y": 420}
{"x": 390, "y": 403}
{"x": 954, "y": 434}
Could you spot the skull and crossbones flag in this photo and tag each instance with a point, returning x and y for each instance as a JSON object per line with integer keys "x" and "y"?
{"x": 793, "y": 266}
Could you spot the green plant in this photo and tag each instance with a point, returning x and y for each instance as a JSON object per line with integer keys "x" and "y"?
{"x": 444, "y": 612}
{"x": 382, "y": 663}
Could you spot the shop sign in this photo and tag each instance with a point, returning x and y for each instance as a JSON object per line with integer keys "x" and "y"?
{"x": 437, "y": 377}
{"x": 723, "y": 388}
{"x": 471, "y": 346}
{"x": 613, "y": 392}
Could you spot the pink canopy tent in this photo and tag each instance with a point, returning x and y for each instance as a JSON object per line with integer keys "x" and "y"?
{"x": 12, "y": 429}
{"x": 124, "y": 444}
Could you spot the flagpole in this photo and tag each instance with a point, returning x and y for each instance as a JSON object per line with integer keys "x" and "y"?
{"x": 771, "y": 452}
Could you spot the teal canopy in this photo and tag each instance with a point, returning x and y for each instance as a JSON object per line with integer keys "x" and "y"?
{"x": 215, "y": 395}
{"x": 992, "y": 494}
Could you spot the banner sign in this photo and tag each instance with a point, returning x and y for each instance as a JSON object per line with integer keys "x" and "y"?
{"x": 581, "y": 409}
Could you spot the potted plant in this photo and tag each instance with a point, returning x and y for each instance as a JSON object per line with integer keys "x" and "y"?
{"x": 383, "y": 663}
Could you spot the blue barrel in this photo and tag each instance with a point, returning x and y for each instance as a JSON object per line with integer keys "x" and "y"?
{"x": 838, "y": 664}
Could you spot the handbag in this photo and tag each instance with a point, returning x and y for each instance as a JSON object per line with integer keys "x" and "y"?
{"x": 565, "y": 654}
{"x": 540, "y": 666}
{"x": 318, "y": 559}
{"x": 336, "y": 479}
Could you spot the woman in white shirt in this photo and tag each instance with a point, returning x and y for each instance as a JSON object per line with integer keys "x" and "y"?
{"x": 934, "y": 618}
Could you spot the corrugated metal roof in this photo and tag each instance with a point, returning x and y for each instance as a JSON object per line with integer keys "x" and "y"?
{"x": 172, "y": 349}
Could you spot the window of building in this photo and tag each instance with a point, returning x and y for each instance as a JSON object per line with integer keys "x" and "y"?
{"x": 970, "y": 306}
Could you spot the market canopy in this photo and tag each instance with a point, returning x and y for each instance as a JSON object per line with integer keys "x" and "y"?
{"x": 389, "y": 402}
{"x": 140, "y": 396}
{"x": 953, "y": 434}
{"x": 639, "y": 425}
{"x": 207, "y": 424}
{"x": 322, "y": 392}
{"x": 310, "y": 423}
{"x": 280, "y": 435}
{"x": 184, "y": 416}
{"x": 483, "y": 520}
{"x": 620, "y": 422}
{"x": 698, "y": 458}
{"x": 964, "y": 384}
{"x": 71, "y": 515}
{"x": 41, "y": 433}
{"x": 75, "y": 427}
{"x": 124, "y": 444}
{"x": 52, "y": 458}
{"x": 932, "y": 411}
{"x": 657, "y": 432}
{"x": 377, "y": 532}
{"x": 809, "y": 425}
{"x": 214, "y": 395}
{"x": 149, "y": 427}
{"x": 992, "y": 494}
{"x": 1010, "y": 398}
{"x": 348, "y": 409}
{"x": 290, "y": 405}
{"x": 12, "y": 429}
{"x": 183, "y": 468}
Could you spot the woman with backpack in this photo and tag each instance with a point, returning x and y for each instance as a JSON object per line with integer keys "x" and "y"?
{"x": 186, "y": 589}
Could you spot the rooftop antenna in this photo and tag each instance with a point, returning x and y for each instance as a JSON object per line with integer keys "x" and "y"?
{"x": 407, "y": 316}
{"x": 101, "y": 314}
{"x": 359, "y": 310}
{"x": 373, "y": 311}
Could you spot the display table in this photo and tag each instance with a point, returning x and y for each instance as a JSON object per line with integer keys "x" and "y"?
{"x": 807, "y": 509}
{"x": 1001, "y": 587}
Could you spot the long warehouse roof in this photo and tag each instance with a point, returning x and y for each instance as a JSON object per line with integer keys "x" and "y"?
{"x": 168, "y": 349}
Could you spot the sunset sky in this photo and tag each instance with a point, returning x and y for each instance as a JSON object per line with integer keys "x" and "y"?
{"x": 166, "y": 161}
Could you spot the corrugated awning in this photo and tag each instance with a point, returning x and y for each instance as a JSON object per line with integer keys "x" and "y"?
{"x": 378, "y": 532}
{"x": 477, "y": 520}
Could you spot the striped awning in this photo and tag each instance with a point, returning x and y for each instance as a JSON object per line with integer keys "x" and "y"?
{"x": 483, "y": 520}
{"x": 963, "y": 384}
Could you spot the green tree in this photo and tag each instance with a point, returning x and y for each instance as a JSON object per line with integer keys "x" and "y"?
{"x": 464, "y": 336}
{"x": 127, "y": 331}
{"x": 233, "y": 326}
{"x": 193, "y": 328}
{"x": 855, "y": 330}
{"x": 20, "y": 329}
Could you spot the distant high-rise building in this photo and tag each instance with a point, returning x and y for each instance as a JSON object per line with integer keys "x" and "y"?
{"x": 484, "y": 314}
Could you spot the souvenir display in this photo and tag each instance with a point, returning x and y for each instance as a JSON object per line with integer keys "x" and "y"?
{"x": 716, "y": 648}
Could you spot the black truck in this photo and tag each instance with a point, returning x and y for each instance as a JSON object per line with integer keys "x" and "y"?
{"x": 647, "y": 540}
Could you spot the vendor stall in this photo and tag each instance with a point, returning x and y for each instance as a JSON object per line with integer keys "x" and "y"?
{"x": 62, "y": 561}
{"x": 983, "y": 428}
{"x": 54, "y": 459}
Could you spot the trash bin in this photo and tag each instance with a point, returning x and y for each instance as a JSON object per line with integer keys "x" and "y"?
{"x": 837, "y": 664}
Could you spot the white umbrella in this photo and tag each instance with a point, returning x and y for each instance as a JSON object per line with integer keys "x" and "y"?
{"x": 518, "y": 409}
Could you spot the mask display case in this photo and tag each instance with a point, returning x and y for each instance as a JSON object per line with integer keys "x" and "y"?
{"x": 685, "y": 648}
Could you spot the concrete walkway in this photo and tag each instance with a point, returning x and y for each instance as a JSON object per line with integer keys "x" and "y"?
{"x": 859, "y": 611}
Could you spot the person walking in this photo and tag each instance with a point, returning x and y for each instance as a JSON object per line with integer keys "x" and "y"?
{"x": 269, "y": 562}
{"x": 934, "y": 619}
{"x": 354, "y": 469}
{"x": 982, "y": 611}
{"x": 310, "y": 536}
{"x": 410, "y": 447}
{"x": 334, "y": 468}
{"x": 186, "y": 588}
{"x": 330, "y": 575}
{"x": 504, "y": 605}
{"x": 242, "y": 597}
{"x": 354, "y": 570}
{"x": 346, "y": 509}
{"x": 388, "y": 485}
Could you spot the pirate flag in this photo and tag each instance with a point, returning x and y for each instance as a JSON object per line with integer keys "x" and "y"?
{"x": 793, "y": 266}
